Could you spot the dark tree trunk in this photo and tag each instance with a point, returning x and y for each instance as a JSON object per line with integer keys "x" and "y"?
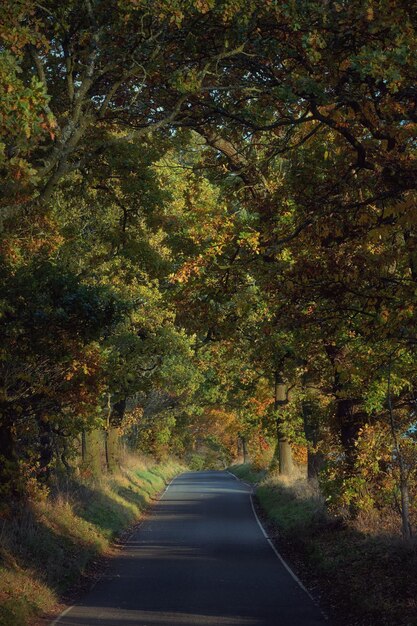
{"x": 349, "y": 416}
{"x": 9, "y": 469}
{"x": 64, "y": 456}
{"x": 404, "y": 488}
{"x": 46, "y": 452}
{"x": 350, "y": 420}
{"x": 83, "y": 447}
{"x": 315, "y": 459}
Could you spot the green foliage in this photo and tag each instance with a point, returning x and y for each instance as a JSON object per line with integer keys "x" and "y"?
{"x": 186, "y": 225}
{"x": 196, "y": 462}
{"x": 26, "y": 118}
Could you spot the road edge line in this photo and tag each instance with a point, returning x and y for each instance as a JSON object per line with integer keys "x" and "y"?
{"x": 251, "y": 486}
{"x": 284, "y": 563}
{"x": 277, "y": 554}
{"x": 168, "y": 486}
{"x": 63, "y": 614}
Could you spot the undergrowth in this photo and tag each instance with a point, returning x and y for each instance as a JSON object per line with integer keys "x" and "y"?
{"x": 366, "y": 578}
{"x": 46, "y": 544}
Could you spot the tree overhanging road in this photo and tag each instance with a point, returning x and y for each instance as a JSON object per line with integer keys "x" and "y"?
{"x": 200, "y": 559}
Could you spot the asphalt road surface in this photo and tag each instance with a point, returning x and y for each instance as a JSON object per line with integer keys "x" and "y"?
{"x": 200, "y": 559}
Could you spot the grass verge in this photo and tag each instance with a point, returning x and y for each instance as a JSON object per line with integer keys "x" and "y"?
{"x": 362, "y": 578}
{"x": 246, "y": 472}
{"x": 46, "y": 546}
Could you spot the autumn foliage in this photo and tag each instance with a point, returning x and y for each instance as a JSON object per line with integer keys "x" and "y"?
{"x": 209, "y": 241}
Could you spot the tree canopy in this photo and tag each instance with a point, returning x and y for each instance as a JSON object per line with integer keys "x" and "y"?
{"x": 209, "y": 237}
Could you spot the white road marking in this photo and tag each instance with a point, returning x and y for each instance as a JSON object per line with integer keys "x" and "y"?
{"x": 58, "y": 619}
{"x": 277, "y": 554}
{"x": 251, "y": 486}
{"x": 168, "y": 486}
{"x": 287, "y": 567}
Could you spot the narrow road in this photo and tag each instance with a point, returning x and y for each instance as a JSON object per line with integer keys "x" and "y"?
{"x": 200, "y": 559}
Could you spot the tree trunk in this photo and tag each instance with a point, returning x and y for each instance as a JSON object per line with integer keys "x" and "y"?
{"x": 83, "y": 448}
{"x": 405, "y": 504}
{"x": 64, "y": 456}
{"x": 241, "y": 448}
{"x": 112, "y": 449}
{"x": 349, "y": 416}
{"x": 116, "y": 414}
{"x": 46, "y": 451}
{"x": 244, "y": 450}
{"x": 93, "y": 449}
{"x": 9, "y": 469}
{"x": 350, "y": 420}
{"x": 404, "y": 491}
{"x": 315, "y": 459}
{"x": 283, "y": 452}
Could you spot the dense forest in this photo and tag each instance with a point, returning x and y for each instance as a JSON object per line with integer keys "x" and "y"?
{"x": 209, "y": 242}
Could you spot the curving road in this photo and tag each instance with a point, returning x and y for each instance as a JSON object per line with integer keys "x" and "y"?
{"x": 200, "y": 559}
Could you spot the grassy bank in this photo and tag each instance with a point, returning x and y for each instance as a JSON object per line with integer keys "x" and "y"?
{"x": 365, "y": 576}
{"x": 46, "y": 546}
{"x": 247, "y": 473}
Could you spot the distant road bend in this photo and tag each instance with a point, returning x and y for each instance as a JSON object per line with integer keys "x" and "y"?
{"x": 199, "y": 559}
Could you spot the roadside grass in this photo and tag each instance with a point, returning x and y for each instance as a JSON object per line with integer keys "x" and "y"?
{"x": 246, "y": 472}
{"x": 363, "y": 578}
{"x": 46, "y": 546}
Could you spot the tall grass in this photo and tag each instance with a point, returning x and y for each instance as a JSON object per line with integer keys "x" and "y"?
{"x": 247, "y": 473}
{"x": 47, "y": 544}
{"x": 366, "y": 575}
